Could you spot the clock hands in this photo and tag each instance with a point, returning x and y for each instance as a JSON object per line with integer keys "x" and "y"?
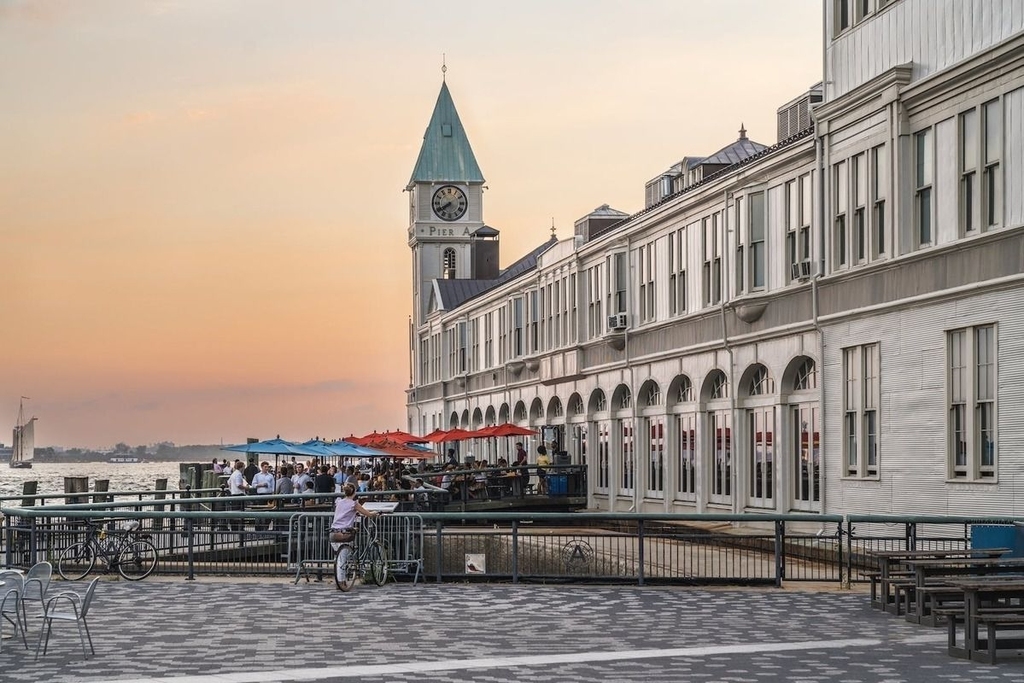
{"x": 445, "y": 207}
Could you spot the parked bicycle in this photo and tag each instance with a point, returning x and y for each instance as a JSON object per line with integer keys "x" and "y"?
{"x": 366, "y": 559}
{"x": 128, "y": 551}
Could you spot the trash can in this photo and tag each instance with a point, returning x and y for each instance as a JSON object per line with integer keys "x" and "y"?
{"x": 557, "y": 485}
{"x": 999, "y": 536}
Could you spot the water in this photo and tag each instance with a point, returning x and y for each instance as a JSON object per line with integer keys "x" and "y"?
{"x": 123, "y": 477}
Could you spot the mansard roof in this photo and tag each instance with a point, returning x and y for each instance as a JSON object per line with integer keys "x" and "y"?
{"x": 736, "y": 152}
{"x": 446, "y": 155}
{"x": 453, "y": 293}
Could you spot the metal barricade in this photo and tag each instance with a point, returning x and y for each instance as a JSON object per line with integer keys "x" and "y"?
{"x": 309, "y": 543}
{"x": 402, "y": 536}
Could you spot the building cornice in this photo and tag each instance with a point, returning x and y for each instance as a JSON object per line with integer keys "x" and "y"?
{"x": 897, "y": 77}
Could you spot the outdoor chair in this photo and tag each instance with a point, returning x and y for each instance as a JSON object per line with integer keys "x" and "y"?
{"x": 37, "y": 582}
{"x": 10, "y": 603}
{"x": 76, "y": 610}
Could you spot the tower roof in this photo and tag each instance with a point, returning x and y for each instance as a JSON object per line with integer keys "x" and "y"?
{"x": 446, "y": 155}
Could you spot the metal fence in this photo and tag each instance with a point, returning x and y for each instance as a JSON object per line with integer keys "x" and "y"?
{"x": 199, "y": 536}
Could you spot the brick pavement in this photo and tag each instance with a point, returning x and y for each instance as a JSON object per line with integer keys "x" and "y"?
{"x": 221, "y": 631}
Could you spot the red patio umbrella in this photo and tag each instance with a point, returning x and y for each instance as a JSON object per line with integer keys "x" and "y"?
{"x": 436, "y": 436}
{"x": 507, "y": 429}
{"x": 398, "y": 449}
{"x": 457, "y": 434}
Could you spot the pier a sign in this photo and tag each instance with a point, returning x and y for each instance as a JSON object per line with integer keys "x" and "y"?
{"x": 443, "y": 231}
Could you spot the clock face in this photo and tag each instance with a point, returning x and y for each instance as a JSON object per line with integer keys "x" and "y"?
{"x": 449, "y": 203}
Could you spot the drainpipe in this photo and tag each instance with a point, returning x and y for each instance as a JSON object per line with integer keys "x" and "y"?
{"x": 823, "y": 470}
{"x": 725, "y": 345}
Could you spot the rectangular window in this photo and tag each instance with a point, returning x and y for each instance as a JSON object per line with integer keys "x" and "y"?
{"x": 757, "y": 240}
{"x": 792, "y": 225}
{"x": 839, "y": 205}
{"x": 860, "y": 192}
{"x": 503, "y": 315}
{"x": 603, "y": 470}
{"x": 677, "y": 272}
{"x": 517, "y": 327}
{"x": 806, "y": 211}
{"x": 741, "y": 240}
{"x": 488, "y": 340}
{"x": 969, "y": 204}
{"x": 574, "y": 319}
{"x": 686, "y": 466}
{"x": 879, "y": 191}
{"x": 595, "y": 304}
{"x": 645, "y": 266}
{"x": 843, "y": 15}
{"x": 656, "y": 464}
{"x": 972, "y": 408}
{"x": 760, "y": 449}
{"x": 474, "y": 354}
{"x": 720, "y": 447}
{"x": 628, "y": 462}
{"x": 923, "y": 174}
{"x": 993, "y": 181}
{"x": 617, "y": 281}
{"x": 708, "y": 249}
{"x": 861, "y": 400}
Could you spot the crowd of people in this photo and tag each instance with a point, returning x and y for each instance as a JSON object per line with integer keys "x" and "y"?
{"x": 396, "y": 479}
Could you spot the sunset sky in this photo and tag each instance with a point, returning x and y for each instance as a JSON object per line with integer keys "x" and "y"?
{"x": 202, "y": 225}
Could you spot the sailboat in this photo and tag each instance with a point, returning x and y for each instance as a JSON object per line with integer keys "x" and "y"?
{"x": 24, "y": 439}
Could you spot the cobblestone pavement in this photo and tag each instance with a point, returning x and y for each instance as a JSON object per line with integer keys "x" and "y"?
{"x": 220, "y": 631}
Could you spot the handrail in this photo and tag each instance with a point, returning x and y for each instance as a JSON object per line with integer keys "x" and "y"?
{"x": 933, "y": 519}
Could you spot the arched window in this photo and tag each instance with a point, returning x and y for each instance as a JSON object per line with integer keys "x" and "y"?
{"x": 761, "y": 383}
{"x": 685, "y": 392}
{"x": 806, "y": 376}
{"x": 448, "y": 264}
{"x": 719, "y": 386}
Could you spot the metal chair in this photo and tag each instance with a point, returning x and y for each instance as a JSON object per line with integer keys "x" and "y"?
{"x": 78, "y": 611}
{"x": 11, "y": 590}
{"x": 37, "y": 582}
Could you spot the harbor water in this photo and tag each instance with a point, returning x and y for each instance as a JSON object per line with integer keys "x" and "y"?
{"x": 122, "y": 476}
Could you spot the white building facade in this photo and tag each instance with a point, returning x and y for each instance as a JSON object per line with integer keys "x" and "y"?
{"x": 831, "y": 323}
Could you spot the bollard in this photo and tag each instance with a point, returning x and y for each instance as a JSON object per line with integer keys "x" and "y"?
{"x": 76, "y": 485}
{"x": 101, "y": 485}
{"x": 159, "y": 494}
{"x": 29, "y": 488}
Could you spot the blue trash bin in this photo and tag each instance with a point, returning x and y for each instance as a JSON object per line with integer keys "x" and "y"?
{"x": 999, "y": 536}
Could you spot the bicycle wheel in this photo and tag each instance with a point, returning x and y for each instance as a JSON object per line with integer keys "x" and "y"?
{"x": 344, "y": 568}
{"x": 76, "y": 561}
{"x": 137, "y": 560}
{"x": 377, "y": 561}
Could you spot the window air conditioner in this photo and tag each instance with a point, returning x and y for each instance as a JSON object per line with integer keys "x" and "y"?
{"x": 619, "y": 321}
{"x": 801, "y": 270}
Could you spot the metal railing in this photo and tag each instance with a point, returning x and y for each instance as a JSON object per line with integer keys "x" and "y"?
{"x": 199, "y": 536}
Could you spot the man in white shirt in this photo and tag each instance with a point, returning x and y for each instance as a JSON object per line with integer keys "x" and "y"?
{"x": 300, "y": 478}
{"x": 237, "y": 487}
{"x": 264, "y": 483}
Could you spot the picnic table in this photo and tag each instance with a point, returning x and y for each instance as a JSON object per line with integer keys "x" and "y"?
{"x": 987, "y": 600}
{"x": 926, "y": 571}
{"x": 889, "y": 562}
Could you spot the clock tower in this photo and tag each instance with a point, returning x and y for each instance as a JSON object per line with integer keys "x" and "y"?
{"x": 445, "y": 205}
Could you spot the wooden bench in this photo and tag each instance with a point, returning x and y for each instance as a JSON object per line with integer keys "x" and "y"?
{"x": 994, "y": 620}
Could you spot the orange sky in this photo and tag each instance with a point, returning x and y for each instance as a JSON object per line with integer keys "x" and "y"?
{"x": 202, "y": 225}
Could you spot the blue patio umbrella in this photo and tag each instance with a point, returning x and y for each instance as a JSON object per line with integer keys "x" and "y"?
{"x": 276, "y": 446}
{"x": 345, "y": 449}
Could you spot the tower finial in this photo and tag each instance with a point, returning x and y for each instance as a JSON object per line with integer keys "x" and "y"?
{"x": 553, "y": 226}
{"x": 444, "y": 68}
{"x": 743, "y": 132}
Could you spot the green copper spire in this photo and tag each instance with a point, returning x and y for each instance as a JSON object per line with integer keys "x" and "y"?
{"x": 446, "y": 155}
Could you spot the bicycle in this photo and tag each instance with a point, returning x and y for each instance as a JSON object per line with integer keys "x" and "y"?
{"x": 354, "y": 561}
{"x": 133, "y": 555}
